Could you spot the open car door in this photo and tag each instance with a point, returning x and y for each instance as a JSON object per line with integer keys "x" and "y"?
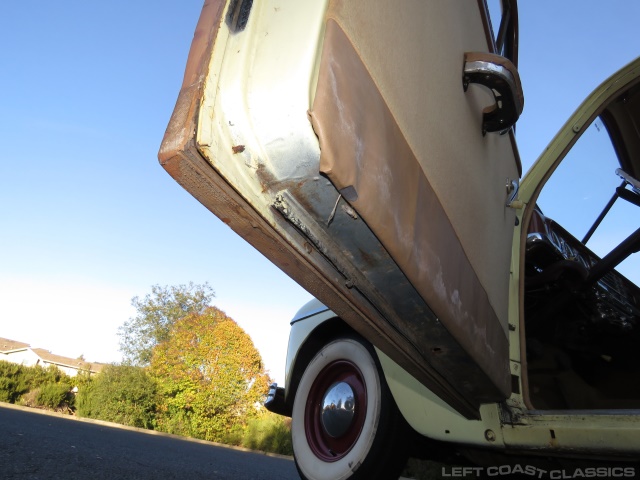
{"x": 579, "y": 244}
{"x": 366, "y": 149}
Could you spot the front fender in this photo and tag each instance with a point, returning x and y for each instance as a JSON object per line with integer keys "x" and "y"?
{"x": 305, "y": 321}
{"x": 314, "y": 325}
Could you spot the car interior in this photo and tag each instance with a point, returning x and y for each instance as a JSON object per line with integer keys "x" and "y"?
{"x": 582, "y": 300}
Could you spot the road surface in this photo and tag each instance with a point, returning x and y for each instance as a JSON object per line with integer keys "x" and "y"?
{"x": 35, "y": 446}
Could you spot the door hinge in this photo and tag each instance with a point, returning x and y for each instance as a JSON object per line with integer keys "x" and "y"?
{"x": 512, "y": 193}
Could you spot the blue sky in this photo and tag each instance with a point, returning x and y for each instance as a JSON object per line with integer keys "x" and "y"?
{"x": 88, "y": 217}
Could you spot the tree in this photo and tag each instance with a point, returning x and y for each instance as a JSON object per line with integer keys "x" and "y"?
{"x": 210, "y": 375}
{"x": 157, "y": 313}
{"x": 120, "y": 393}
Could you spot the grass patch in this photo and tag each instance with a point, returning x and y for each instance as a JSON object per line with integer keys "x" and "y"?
{"x": 269, "y": 433}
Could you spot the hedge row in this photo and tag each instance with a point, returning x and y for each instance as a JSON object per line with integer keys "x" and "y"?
{"x": 129, "y": 396}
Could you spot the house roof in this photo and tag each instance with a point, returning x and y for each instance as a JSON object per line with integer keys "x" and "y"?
{"x": 8, "y": 346}
{"x": 49, "y": 357}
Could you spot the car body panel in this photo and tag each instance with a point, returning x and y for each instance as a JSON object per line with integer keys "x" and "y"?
{"x": 577, "y": 433}
{"x": 424, "y": 411}
{"x": 397, "y": 218}
{"x": 391, "y": 163}
{"x": 515, "y": 426}
{"x": 508, "y": 426}
{"x": 434, "y": 297}
{"x": 306, "y": 320}
{"x": 430, "y": 416}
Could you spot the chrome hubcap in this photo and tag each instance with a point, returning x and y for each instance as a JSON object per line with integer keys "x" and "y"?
{"x": 338, "y": 409}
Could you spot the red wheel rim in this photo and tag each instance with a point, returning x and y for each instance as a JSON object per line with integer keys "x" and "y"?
{"x": 324, "y": 446}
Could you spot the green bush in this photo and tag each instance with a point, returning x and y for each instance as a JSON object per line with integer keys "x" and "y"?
{"x": 176, "y": 423}
{"x": 121, "y": 393}
{"x": 37, "y": 376}
{"x": 18, "y": 380}
{"x": 270, "y": 433}
{"x": 12, "y": 381}
{"x": 56, "y": 396}
{"x": 8, "y": 390}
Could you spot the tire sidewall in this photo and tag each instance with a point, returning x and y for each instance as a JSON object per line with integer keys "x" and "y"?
{"x": 309, "y": 464}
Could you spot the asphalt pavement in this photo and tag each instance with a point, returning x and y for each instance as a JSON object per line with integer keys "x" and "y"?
{"x": 39, "y": 446}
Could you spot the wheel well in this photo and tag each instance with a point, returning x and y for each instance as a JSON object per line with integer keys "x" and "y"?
{"x": 336, "y": 328}
{"x": 323, "y": 334}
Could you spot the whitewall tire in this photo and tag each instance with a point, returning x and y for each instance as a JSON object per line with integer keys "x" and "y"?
{"x": 345, "y": 423}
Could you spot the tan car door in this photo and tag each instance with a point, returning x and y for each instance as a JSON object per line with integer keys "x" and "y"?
{"x": 347, "y": 141}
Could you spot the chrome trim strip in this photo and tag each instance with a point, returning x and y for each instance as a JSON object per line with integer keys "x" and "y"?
{"x": 304, "y": 315}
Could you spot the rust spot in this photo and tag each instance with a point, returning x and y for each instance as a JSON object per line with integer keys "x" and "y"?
{"x": 265, "y": 177}
{"x": 237, "y": 149}
{"x": 308, "y": 247}
{"x": 367, "y": 258}
{"x": 226, "y": 220}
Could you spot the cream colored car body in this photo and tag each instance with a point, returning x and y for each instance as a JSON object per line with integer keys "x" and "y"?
{"x": 511, "y": 426}
{"x": 423, "y": 410}
{"x": 241, "y": 141}
{"x": 244, "y": 140}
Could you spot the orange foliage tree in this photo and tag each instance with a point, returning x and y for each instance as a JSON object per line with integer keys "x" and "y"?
{"x": 211, "y": 377}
